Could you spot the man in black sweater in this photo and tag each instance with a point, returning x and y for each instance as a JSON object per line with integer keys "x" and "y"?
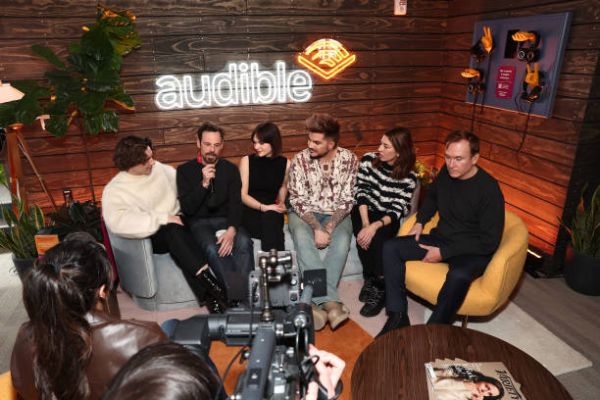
{"x": 471, "y": 209}
{"x": 210, "y": 196}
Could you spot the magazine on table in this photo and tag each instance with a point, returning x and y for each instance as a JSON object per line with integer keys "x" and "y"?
{"x": 461, "y": 380}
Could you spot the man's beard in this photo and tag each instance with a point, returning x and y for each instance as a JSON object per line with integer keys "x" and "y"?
{"x": 210, "y": 158}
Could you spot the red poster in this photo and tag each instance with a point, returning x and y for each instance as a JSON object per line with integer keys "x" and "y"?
{"x": 505, "y": 81}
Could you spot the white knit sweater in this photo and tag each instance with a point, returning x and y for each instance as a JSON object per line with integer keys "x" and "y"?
{"x": 135, "y": 206}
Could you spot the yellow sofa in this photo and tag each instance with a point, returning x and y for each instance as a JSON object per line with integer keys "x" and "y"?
{"x": 7, "y": 391}
{"x": 488, "y": 292}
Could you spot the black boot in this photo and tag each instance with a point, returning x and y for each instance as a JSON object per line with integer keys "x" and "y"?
{"x": 374, "y": 303}
{"x": 394, "y": 321}
{"x": 215, "y": 306}
{"x": 366, "y": 289}
{"x": 214, "y": 288}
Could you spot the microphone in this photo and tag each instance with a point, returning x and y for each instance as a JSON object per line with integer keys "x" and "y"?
{"x": 211, "y": 182}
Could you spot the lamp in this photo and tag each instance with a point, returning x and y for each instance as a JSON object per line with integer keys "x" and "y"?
{"x": 14, "y": 142}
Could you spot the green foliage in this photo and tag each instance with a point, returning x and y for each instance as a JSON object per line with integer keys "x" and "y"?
{"x": 23, "y": 225}
{"x": 86, "y": 84}
{"x": 585, "y": 227}
{"x": 76, "y": 218}
{"x": 28, "y": 108}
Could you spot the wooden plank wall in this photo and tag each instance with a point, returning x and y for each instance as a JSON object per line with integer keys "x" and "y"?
{"x": 395, "y": 81}
{"x": 535, "y": 179}
{"x": 407, "y": 74}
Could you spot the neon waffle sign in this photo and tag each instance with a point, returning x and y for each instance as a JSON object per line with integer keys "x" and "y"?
{"x": 243, "y": 83}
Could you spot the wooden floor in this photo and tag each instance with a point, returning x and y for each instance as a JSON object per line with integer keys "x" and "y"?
{"x": 574, "y": 318}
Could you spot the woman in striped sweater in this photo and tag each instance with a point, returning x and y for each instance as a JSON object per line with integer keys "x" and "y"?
{"x": 385, "y": 186}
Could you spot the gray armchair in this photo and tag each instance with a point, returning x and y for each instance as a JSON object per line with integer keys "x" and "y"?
{"x": 153, "y": 281}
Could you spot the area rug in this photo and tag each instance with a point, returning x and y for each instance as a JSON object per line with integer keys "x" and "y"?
{"x": 348, "y": 341}
{"x": 511, "y": 324}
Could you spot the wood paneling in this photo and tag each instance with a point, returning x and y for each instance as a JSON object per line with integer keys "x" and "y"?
{"x": 407, "y": 74}
{"x": 395, "y": 81}
{"x": 535, "y": 167}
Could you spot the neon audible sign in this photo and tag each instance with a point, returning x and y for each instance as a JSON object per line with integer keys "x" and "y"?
{"x": 326, "y": 58}
{"x": 243, "y": 83}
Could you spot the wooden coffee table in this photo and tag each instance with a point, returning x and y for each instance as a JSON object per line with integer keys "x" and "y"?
{"x": 392, "y": 367}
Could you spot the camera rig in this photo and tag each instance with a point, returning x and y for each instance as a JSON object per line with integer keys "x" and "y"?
{"x": 277, "y": 324}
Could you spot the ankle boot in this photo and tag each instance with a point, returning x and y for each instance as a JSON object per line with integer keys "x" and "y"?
{"x": 215, "y": 306}
{"x": 374, "y": 302}
{"x": 213, "y": 286}
{"x": 336, "y": 313}
{"x": 319, "y": 317}
{"x": 395, "y": 320}
{"x": 367, "y": 289}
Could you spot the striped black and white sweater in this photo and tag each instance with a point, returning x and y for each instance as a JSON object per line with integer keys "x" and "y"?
{"x": 376, "y": 188}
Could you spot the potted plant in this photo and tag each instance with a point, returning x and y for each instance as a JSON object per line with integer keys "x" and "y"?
{"x": 77, "y": 217}
{"x": 19, "y": 236}
{"x": 582, "y": 270}
{"x": 85, "y": 87}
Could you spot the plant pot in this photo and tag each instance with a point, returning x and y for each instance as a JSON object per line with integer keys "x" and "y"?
{"x": 582, "y": 273}
{"x": 23, "y": 266}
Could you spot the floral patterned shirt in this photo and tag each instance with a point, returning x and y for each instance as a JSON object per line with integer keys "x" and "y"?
{"x": 320, "y": 188}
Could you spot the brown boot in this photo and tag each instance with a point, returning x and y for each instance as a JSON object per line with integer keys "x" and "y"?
{"x": 336, "y": 313}
{"x": 319, "y": 317}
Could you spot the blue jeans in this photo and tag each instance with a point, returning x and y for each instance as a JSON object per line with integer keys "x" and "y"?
{"x": 309, "y": 255}
{"x": 232, "y": 270}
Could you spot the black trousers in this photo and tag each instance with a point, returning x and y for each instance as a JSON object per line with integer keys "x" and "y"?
{"x": 463, "y": 270}
{"x": 265, "y": 226}
{"x": 178, "y": 241}
{"x": 372, "y": 258}
{"x": 232, "y": 270}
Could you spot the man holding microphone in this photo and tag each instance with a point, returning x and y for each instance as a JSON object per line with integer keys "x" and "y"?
{"x": 210, "y": 195}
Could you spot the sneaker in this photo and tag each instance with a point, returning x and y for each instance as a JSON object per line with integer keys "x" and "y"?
{"x": 374, "y": 303}
{"x": 366, "y": 289}
{"x": 394, "y": 321}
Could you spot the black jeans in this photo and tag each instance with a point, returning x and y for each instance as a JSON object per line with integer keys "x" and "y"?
{"x": 232, "y": 270}
{"x": 265, "y": 226}
{"x": 178, "y": 241}
{"x": 372, "y": 258}
{"x": 462, "y": 271}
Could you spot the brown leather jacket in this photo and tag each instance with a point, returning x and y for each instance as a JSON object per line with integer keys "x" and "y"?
{"x": 114, "y": 341}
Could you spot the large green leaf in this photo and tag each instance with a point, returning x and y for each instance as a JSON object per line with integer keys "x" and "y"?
{"x": 91, "y": 102}
{"x": 59, "y": 78}
{"x": 96, "y": 44}
{"x": 104, "y": 81}
{"x": 27, "y": 110}
{"x": 92, "y": 123}
{"x": 7, "y": 113}
{"x": 123, "y": 99}
{"x": 57, "y": 125}
{"x": 110, "y": 121}
{"x": 48, "y": 54}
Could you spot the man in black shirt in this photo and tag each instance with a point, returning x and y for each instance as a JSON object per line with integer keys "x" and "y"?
{"x": 209, "y": 190}
{"x": 471, "y": 209}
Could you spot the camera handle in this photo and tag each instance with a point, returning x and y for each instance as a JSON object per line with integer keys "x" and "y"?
{"x": 267, "y": 313}
{"x": 259, "y": 364}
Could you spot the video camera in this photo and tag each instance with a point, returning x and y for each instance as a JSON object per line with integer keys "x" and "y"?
{"x": 277, "y": 324}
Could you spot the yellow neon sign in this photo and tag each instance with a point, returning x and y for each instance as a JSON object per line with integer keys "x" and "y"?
{"x": 326, "y": 58}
